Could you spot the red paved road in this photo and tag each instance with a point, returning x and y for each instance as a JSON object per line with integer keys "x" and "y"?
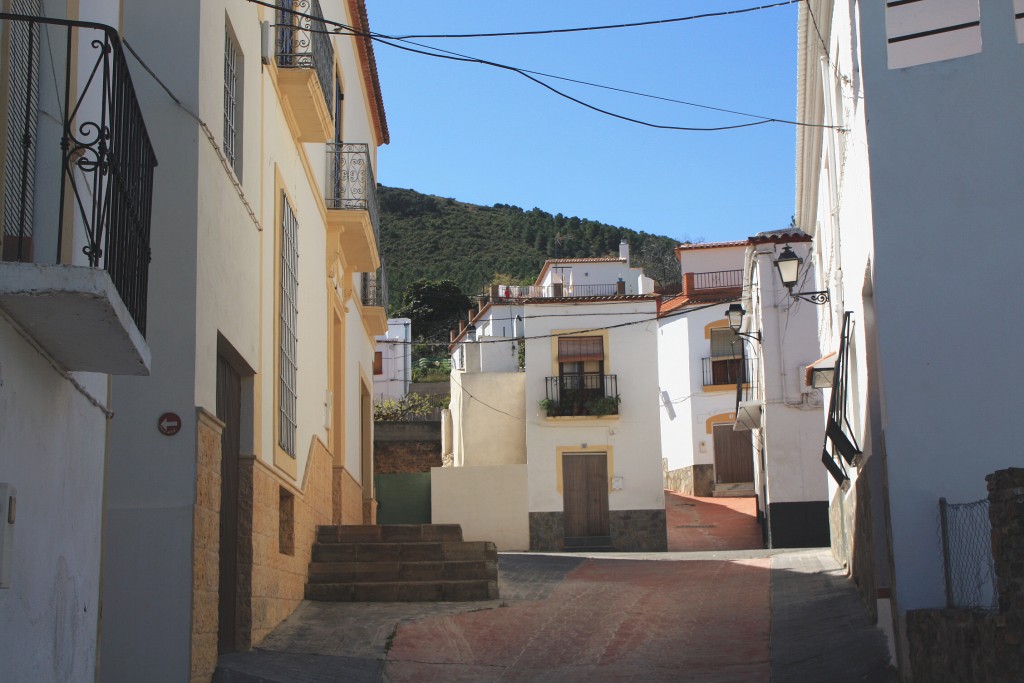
{"x": 608, "y": 620}
{"x": 711, "y": 523}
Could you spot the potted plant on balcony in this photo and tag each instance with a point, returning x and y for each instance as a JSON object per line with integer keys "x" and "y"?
{"x": 605, "y": 405}
{"x": 548, "y": 406}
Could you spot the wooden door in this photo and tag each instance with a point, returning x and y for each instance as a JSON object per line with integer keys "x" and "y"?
{"x": 734, "y": 460}
{"x": 229, "y": 410}
{"x": 585, "y": 495}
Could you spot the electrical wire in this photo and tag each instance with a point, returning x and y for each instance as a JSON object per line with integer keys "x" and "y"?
{"x": 440, "y": 53}
{"x": 654, "y": 22}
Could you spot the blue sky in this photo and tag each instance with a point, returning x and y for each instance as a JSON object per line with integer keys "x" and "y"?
{"x": 486, "y": 135}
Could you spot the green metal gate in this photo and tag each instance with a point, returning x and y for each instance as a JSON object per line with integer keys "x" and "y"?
{"x": 403, "y": 498}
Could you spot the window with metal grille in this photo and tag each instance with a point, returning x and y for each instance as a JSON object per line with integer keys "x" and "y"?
{"x": 726, "y": 358}
{"x": 232, "y": 102}
{"x": 22, "y": 110}
{"x": 287, "y": 336}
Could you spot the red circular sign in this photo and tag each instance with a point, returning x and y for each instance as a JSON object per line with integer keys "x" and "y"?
{"x": 169, "y": 424}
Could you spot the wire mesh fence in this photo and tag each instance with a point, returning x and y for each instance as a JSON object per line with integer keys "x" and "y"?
{"x": 968, "y": 566}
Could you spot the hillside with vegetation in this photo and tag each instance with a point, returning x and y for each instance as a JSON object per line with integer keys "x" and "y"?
{"x": 424, "y": 237}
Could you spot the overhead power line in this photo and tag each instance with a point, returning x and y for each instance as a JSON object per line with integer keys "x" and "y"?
{"x": 635, "y": 24}
{"x": 439, "y": 53}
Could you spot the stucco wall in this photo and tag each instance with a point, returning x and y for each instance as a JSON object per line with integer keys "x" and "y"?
{"x": 490, "y": 502}
{"x": 488, "y": 418}
{"x": 920, "y": 208}
{"x": 52, "y": 451}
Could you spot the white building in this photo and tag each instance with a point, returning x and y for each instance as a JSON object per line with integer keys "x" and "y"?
{"x": 563, "y": 453}
{"x": 392, "y": 360}
{"x": 781, "y": 412}
{"x": 73, "y": 314}
{"x": 916, "y": 225}
{"x": 262, "y": 325}
{"x": 700, "y": 361}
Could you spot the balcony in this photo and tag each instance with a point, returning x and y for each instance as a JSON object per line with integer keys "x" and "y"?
{"x": 353, "y": 218}
{"x": 720, "y": 372}
{"x": 305, "y": 62}
{"x": 713, "y": 284}
{"x": 77, "y": 196}
{"x": 582, "y": 395}
{"x": 374, "y": 296}
{"x": 556, "y": 291}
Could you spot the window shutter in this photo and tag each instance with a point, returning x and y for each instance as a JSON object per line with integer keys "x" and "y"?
{"x": 578, "y": 349}
{"x": 722, "y": 343}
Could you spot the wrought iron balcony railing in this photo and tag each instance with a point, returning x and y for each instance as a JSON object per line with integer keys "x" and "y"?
{"x": 718, "y": 279}
{"x": 95, "y": 166}
{"x": 375, "y": 288}
{"x": 303, "y": 42}
{"x": 581, "y": 394}
{"x": 727, "y": 371}
{"x": 559, "y": 291}
{"x": 350, "y": 181}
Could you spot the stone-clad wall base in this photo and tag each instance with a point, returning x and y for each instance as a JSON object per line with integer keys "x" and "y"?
{"x": 695, "y": 480}
{"x": 281, "y": 556}
{"x": 348, "y": 498}
{"x": 631, "y": 530}
{"x": 206, "y": 547}
{"x": 638, "y": 530}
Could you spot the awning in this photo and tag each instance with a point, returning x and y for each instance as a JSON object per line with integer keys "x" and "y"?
{"x": 821, "y": 373}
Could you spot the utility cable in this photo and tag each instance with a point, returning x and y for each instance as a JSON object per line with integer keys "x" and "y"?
{"x": 439, "y": 53}
{"x": 654, "y": 22}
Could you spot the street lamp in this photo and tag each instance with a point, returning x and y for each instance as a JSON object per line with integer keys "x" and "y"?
{"x": 735, "y": 315}
{"x": 471, "y": 332}
{"x": 788, "y": 265}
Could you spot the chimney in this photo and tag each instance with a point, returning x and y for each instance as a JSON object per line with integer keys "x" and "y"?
{"x": 624, "y": 251}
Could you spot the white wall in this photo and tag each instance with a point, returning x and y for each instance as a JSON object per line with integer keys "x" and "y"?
{"x": 490, "y": 502}
{"x": 707, "y": 258}
{"x": 633, "y": 437}
{"x": 396, "y": 360}
{"x": 52, "y": 447}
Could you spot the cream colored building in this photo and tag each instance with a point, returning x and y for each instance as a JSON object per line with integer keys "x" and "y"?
{"x": 74, "y": 269}
{"x": 262, "y": 326}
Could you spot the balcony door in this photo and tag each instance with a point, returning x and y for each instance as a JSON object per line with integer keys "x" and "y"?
{"x": 580, "y": 372}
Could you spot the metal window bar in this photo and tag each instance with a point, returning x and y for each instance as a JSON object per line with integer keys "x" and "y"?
{"x": 582, "y": 394}
{"x": 350, "y": 181}
{"x": 718, "y": 279}
{"x": 967, "y": 563}
{"x": 106, "y": 160}
{"x": 303, "y": 42}
{"x": 288, "y": 340}
{"x": 230, "y": 102}
{"x": 718, "y": 371}
{"x": 375, "y": 288}
{"x": 19, "y": 164}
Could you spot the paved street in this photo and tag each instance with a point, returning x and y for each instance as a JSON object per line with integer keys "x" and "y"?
{"x": 712, "y": 609}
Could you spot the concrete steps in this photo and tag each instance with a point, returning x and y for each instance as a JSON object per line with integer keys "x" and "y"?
{"x": 745, "y": 490}
{"x": 401, "y": 563}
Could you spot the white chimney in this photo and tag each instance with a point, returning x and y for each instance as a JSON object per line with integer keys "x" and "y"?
{"x": 624, "y": 251}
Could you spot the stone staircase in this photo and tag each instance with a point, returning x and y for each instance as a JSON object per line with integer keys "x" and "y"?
{"x": 745, "y": 490}
{"x": 401, "y": 563}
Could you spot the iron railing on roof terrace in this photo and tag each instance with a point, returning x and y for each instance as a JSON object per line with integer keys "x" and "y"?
{"x": 350, "y": 181}
{"x": 375, "y": 288}
{"x": 95, "y": 166}
{"x": 303, "y": 42}
{"x": 718, "y": 279}
{"x": 581, "y": 394}
{"x": 558, "y": 291}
